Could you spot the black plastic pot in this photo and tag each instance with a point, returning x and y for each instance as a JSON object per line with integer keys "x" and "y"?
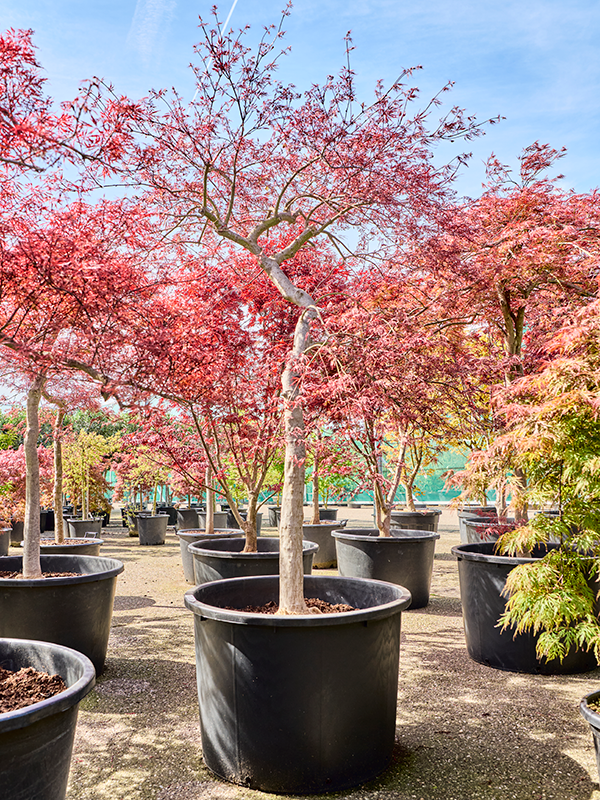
{"x": 405, "y": 558}
{"x": 482, "y": 576}
{"x": 220, "y": 519}
{"x": 79, "y": 527}
{"x": 297, "y": 704}
{"x": 327, "y": 514}
{"x": 89, "y": 547}
{"x": 75, "y": 612}
{"x": 43, "y": 518}
{"x": 593, "y": 718}
{"x": 49, "y": 519}
{"x": 416, "y": 520}
{"x": 36, "y": 742}
{"x": 474, "y": 514}
{"x": 189, "y": 537}
{"x": 5, "y": 534}
{"x": 16, "y": 532}
{"x": 274, "y": 514}
{"x": 153, "y": 529}
{"x": 478, "y": 530}
{"x": 187, "y": 519}
{"x": 223, "y": 558}
{"x": 171, "y": 512}
{"x": 325, "y": 556}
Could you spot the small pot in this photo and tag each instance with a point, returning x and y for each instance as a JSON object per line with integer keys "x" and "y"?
{"x": 5, "y": 534}
{"x": 16, "y": 532}
{"x": 82, "y": 547}
{"x": 153, "y": 530}
{"x": 36, "y": 741}
{"x": 219, "y": 521}
{"x": 223, "y": 558}
{"x": 187, "y": 519}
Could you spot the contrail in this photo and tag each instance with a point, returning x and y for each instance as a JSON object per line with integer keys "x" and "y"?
{"x": 235, "y": 2}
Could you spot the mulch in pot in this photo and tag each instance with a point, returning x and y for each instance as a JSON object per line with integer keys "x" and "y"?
{"x": 27, "y": 686}
{"x": 44, "y": 575}
{"x": 322, "y": 606}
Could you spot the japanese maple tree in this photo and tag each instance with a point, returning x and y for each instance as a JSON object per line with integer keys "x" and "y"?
{"x": 250, "y": 155}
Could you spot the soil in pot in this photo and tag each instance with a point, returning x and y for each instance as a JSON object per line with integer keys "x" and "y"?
{"x": 297, "y": 704}
{"x": 23, "y": 687}
{"x": 36, "y": 741}
{"x": 482, "y": 576}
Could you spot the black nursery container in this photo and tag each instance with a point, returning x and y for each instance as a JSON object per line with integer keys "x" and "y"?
{"x": 36, "y": 741}
{"x": 404, "y": 558}
{"x": 482, "y": 576}
{"x": 297, "y": 704}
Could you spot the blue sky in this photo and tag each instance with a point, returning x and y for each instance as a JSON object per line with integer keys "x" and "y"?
{"x": 536, "y": 63}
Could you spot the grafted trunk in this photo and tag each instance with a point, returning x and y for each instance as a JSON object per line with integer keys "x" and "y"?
{"x": 291, "y": 584}
{"x": 31, "y": 533}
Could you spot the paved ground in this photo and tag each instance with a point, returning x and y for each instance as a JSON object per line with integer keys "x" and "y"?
{"x": 464, "y": 731}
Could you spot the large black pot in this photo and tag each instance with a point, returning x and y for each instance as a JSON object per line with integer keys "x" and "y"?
{"x": 297, "y": 704}
{"x": 482, "y": 576}
{"x": 478, "y": 530}
{"x": 416, "y": 520}
{"x": 404, "y": 558}
{"x": 593, "y": 718}
{"x": 187, "y": 519}
{"x": 36, "y": 742}
{"x": 153, "y": 529}
{"x": 5, "y": 534}
{"x": 325, "y": 556}
{"x": 223, "y": 558}
{"x": 49, "y": 519}
{"x": 189, "y": 537}
{"x": 88, "y": 547}
{"x": 75, "y": 611}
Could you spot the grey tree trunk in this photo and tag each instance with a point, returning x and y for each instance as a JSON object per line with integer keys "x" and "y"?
{"x": 31, "y": 533}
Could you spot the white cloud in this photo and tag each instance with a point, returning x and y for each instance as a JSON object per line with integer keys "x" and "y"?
{"x": 150, "y": 21}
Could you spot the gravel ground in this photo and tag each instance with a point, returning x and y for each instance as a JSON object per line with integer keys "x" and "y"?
{"x": 464, "y": 730}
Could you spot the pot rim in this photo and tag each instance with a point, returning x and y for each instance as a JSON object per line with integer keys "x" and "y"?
{"x": 419, "y": 511}
{"x": 593, "y": 717}
{"x": 201, "y": 532}
{"x": 205, "y": 610}
{"x": 21, "y": 717}
{"x": 110, "y": 569}
{"x": 466, "y": 552}
{"x": 202, "y": 548}
{"x": 400, "y": 535}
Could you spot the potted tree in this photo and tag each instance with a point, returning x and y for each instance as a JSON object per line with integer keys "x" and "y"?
{"x": 271, "y": 184}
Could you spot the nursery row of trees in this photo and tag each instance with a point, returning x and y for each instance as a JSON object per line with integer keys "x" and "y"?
{"x": 280, "y": 272}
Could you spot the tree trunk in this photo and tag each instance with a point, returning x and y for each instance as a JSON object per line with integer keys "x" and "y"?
{"x": 210, "y": 503}
{"x": 31, "y": 532}
{"x": 410, "y": 499}
{"x": 315, "y": 489}
{"x": 291, "y": 580}
{"x": 59, "y": 531}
